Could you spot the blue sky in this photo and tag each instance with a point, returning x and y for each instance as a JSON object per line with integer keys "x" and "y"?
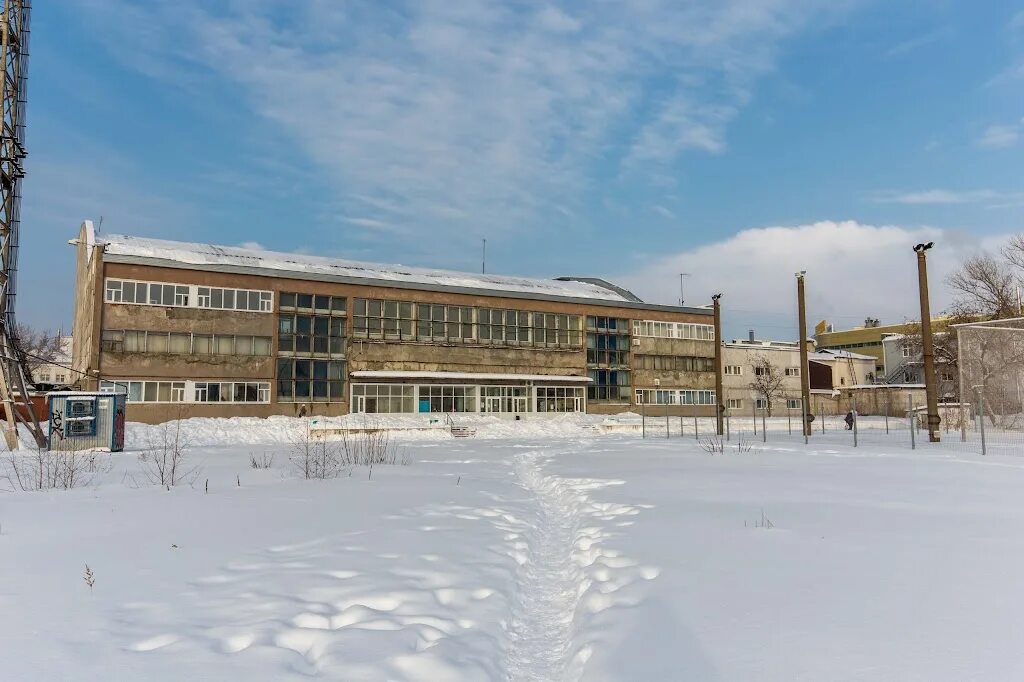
{"x": 736, "y": 141}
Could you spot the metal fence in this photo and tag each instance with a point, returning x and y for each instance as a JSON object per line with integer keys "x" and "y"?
{"x": 904, "y": 429}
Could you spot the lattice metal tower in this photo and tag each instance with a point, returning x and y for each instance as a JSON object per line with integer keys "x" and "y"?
{"x": 14, "y": 34}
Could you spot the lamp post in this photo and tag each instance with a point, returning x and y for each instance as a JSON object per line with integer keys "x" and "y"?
{"x": 719, "y": 393}
{"x": 928, "y": 350}
{"x": 805, "y": 378}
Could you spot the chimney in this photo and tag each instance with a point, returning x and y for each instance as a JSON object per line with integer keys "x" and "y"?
{"x": 750, "y": 336}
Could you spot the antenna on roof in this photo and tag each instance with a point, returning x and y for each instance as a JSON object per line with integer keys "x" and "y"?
{"x": 483, "y": 260}
{"x": 99, "y": 225}
{"x": 682, "y": 297}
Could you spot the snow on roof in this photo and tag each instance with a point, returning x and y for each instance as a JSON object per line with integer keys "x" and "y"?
{"x": 236, "y": 256}
{"x": 465, "y": 376}
{"x": 829, "y": 354}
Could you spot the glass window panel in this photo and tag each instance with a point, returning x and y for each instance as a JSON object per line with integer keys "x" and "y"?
{"x": 261, "y": 345}
{"x": 217, "y": 298}
{"x": 229, "y": 299}
{"x": 338, "y": 303}
{"x": 287, "y": 300}
{"x": 241, "y": 299}
{"x": 243, "y": 345}
{"x": 163, "y": 391}
{"x": 156, "y": 342}
{"x": 254, "y": 301}
{"x": 305, "y": 301}
{"x": 179, "y": 343}
{"x": 303, "y": 369}
{"x": 303, "y": 324}
{"x": 302, "y": 344}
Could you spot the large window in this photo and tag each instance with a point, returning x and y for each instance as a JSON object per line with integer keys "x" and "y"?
{"x": 147, "y": 391}
{"x": 187, "y": 296}
{"x": 138, "y": 341}
{"x": 559, "y": 399}
{"x": 147, "y": 293}
{"x": 427, "y": 322}
{"x": 674, "y": 330}
{"x": 447, "y": 399}
{"x": 382, "y": 398}
{"x": 675, "y": 363}
{"x": 609, "y": 384}
{"x": 320, "y": 303}
{"x": 308, "y": 334}
{"x": 231, "y": 392}
{"x": 190, "y": 391}
{"x": 309, "y": 380}
{"x": 657, "y": 396}
{"x": 235, "y": 299}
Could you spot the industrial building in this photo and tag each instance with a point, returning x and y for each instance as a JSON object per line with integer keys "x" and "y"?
{"x": 188, "y": 329}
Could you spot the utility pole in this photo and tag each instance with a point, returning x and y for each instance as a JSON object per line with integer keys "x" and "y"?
{"x": 719, "y": 393}
{"x": 805, "y": 378}
{"x": 682, "y": 295}
{"x": 926, "y": 343}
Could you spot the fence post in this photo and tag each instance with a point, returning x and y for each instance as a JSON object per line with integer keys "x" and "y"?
{"x": 789, "y": 418}
{"x": 910, "y": 416}
{"x": 753, "y": 413}
{"x": 981, "y": 416}
{"x": 680, "y": 423}
{"x": 853, "y": 409}
{"x": 888, "y": 405}
{"x": 695, "y": 434}
{"x": 764, "y": 427}
{"x": 668, "y": 429}
{"x": 821, "y": 414}
{"x": 728, "y": 425}
{"x": 643, "y": 420}
{"x": 803, "y": 418}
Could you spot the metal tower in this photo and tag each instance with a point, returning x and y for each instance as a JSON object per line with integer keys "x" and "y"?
{"x": 14, "y": 34}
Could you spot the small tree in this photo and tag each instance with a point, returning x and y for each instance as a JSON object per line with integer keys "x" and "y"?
{"x": 766, "y": 383}
{"x": 164, "y": 462}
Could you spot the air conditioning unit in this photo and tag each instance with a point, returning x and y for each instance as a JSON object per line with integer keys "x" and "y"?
{"x": 636, "y": 342}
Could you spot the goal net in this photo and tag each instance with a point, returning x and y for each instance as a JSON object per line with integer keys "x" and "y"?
{"x": 990, "y": 359}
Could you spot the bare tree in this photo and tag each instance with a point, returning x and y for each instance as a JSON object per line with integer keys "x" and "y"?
{"x": 313, "y": 455}
{"x": 41, "y": 347}
{"x": 766, "y": 382}
{"x": 987, "y": 286}
{"x": 43, "y": 469}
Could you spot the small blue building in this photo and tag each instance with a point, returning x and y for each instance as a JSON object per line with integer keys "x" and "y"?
{"x": 85, "y": 421}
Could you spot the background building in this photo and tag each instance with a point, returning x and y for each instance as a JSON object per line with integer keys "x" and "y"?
{"x": 194, "y": 329}
{"x": 867, "y": 340}
{"x": 830, "y": 372}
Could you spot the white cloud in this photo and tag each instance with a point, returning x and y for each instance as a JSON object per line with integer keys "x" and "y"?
{"x": 1000, "y": 136}
{"x": 470, "y": 114}
{"x": 853, "y": 271}
{"x": 255, "y": 246}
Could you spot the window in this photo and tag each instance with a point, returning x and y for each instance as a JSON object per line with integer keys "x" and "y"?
{"x": 675, "y": 363}
{"x": 608, "y": 346}
{"x": 734, "y": 404}
{"x": 504, "y": 399}
{"x": 147, "y": 391}
{"x": 179, "y": 296}
{"x": 608, "y": 384}
{"x": 762, "y": 371}
{"x": 760, "y": 404}
{"x": 305, "y": 334}
{"x": 112, "y": 341}
{"x": 136, "y": 341}
{"x": 656, "y": 396}
{"x": 792, "y": 371}
{"x": 792, "y": 404}
{"x": 732, "y": 370}
{"x": 674, "y": 330}
{"x": 559, "y": 399}
{"x": 60, "y": 378}
{"x": 218, "y": 298}
{"x": 447, "y": 398}
{"x": 906, "y": 351}
{"x": 382, "y": 398}
{"x": 44, "y": 376}
{"x": 305, "y": 380}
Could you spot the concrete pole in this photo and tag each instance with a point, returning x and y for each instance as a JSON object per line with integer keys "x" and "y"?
{"x": 926, "y": 343}
{"x": 805, "y": 378}
{"x": 719, "y": 391}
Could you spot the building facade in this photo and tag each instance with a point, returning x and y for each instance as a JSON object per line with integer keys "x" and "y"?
{"x": 830, "y": 371}
{"x": 200, "y": 330}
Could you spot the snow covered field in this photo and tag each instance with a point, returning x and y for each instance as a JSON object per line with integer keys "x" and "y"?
{"x": 549, "y": 553}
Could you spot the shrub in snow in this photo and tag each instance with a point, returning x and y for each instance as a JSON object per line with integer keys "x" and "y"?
{"x": 371, "y": 446}
{"x": 265, "y": 461}
{"x": 712, "y": 444}
{"x": 313, "y": 456}
{"x": 164, "y": 461}
{"x": 41, "y": 469}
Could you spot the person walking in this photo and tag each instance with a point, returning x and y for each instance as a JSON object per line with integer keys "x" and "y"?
{"x": 849, "y": 420}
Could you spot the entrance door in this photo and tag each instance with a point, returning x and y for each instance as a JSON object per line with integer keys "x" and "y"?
{"x": 492, "y": 404}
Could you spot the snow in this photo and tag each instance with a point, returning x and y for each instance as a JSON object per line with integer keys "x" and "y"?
{"x": 543, "y": 549}
{"x": 129, "y": 247}
{"x": 466, "y": 376}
